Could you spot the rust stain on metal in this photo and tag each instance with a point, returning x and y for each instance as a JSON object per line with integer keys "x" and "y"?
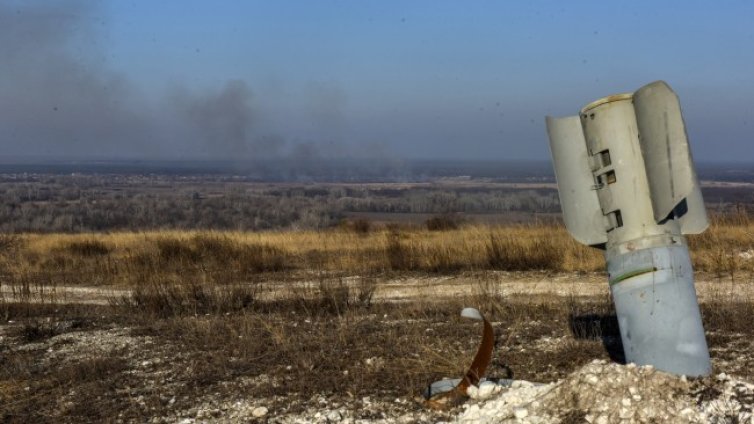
{"x": 481, "y": 360}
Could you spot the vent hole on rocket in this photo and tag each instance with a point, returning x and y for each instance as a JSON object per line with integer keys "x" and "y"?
{"x": 605, "y": 157}
{"x": 615, "y": 220}
{"x": 607, "y": 178}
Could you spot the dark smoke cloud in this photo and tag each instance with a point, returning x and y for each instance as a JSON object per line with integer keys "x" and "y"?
{"x": 57, "y": 98}
{"x": 54, "y": 101}
{"x": 223, "y": 121}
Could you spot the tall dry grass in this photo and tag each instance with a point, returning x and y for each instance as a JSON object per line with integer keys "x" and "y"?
{"x": 727, "y": 247}
{"x": 223, "y": 258}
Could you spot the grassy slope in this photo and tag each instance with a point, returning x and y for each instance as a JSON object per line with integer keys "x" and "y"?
{"x": 228, "y": 257}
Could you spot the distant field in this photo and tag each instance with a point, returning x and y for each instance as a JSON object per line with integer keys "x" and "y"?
{"x": 94, "y": 202}
{"x": 354, "y": 170}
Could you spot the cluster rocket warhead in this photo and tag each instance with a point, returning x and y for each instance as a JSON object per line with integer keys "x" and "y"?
{"x": 627, "y": 185}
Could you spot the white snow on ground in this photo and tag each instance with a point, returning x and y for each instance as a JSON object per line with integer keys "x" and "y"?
{"x": 602, "y": 392}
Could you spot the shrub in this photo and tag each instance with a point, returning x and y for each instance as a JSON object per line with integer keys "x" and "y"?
{"x": 166, "y": 297}
{"x": 510, "y": 254}
{"x": 443, "y": 222}
{"x": 88, "y": 248}
{"x": 361, "y": 226}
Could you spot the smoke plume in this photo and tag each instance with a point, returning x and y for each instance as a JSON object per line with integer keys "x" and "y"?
{"x": 58, "y": 98}
{"x": 54, "y": 100}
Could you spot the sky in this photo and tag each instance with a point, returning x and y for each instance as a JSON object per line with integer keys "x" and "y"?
{"x": 188, "y": 79}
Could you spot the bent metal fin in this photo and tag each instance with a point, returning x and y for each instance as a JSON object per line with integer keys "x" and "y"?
{"x": 444, "y": 393}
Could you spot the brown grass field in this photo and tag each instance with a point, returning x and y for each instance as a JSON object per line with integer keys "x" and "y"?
{"x": 225, "y": 257}
{"x": 191, "y": 327}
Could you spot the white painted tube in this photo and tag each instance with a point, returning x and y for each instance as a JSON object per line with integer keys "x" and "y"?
{"x": 657, "y": 309}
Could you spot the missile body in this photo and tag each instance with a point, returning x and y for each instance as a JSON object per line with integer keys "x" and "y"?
{"x": 627, "y": 185}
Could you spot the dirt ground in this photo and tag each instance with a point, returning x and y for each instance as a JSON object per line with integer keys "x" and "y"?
{"x": 135, "y": 370}
{"x": 438, "y": 288}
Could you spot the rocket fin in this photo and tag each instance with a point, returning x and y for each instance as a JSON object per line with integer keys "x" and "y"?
{"x": 673, "y": 182}
{"x": 581, "y": 209}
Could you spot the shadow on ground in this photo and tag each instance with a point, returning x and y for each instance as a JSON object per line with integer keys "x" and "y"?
{"x": 602, "y": 327}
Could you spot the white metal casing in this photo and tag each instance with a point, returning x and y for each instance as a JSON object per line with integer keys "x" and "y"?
{"x": 631, "y": 151}
{"x": 627, "y": 184}
{"x": 581, "y": 208}
{"x": 667, "y": 158}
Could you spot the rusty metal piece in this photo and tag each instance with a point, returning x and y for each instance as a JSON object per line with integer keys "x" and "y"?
{"x": 446, "y": 393}
{"x": 483, "y": 354}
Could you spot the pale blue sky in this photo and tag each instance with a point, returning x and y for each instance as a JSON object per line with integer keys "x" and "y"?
{"x": 418, "y": 79}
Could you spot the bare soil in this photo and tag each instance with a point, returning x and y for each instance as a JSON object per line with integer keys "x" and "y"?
{"x": 78, "y": 356}
{"x": 408, "y": 287}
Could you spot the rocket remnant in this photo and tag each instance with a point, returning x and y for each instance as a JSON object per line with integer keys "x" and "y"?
{"x": 627, "y": 185}
{"x": 444, "y": 393}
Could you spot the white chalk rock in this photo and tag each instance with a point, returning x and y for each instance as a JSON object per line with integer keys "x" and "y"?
{"x": 521, "y": 383}
{"x": 259, "y": 412}
{"x": 520, "y": 413}
{"x": 472, "y": 413}
{"x": 487, "y": 389}
{"x": 334, "y": 416}
{"x": 471, "y": 313}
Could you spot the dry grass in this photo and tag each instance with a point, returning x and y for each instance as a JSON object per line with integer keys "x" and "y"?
{"x": 196, "y": 294}
{"x": 127, "y": 258}
{"x": 322, "y": 343}
{"x": 133, "y": 259}
{"x": 726, "y": 248}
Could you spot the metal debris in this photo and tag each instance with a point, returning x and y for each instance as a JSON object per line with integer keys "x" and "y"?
{"x": 628, "y": 186}
{"x": 444, "y": 393}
